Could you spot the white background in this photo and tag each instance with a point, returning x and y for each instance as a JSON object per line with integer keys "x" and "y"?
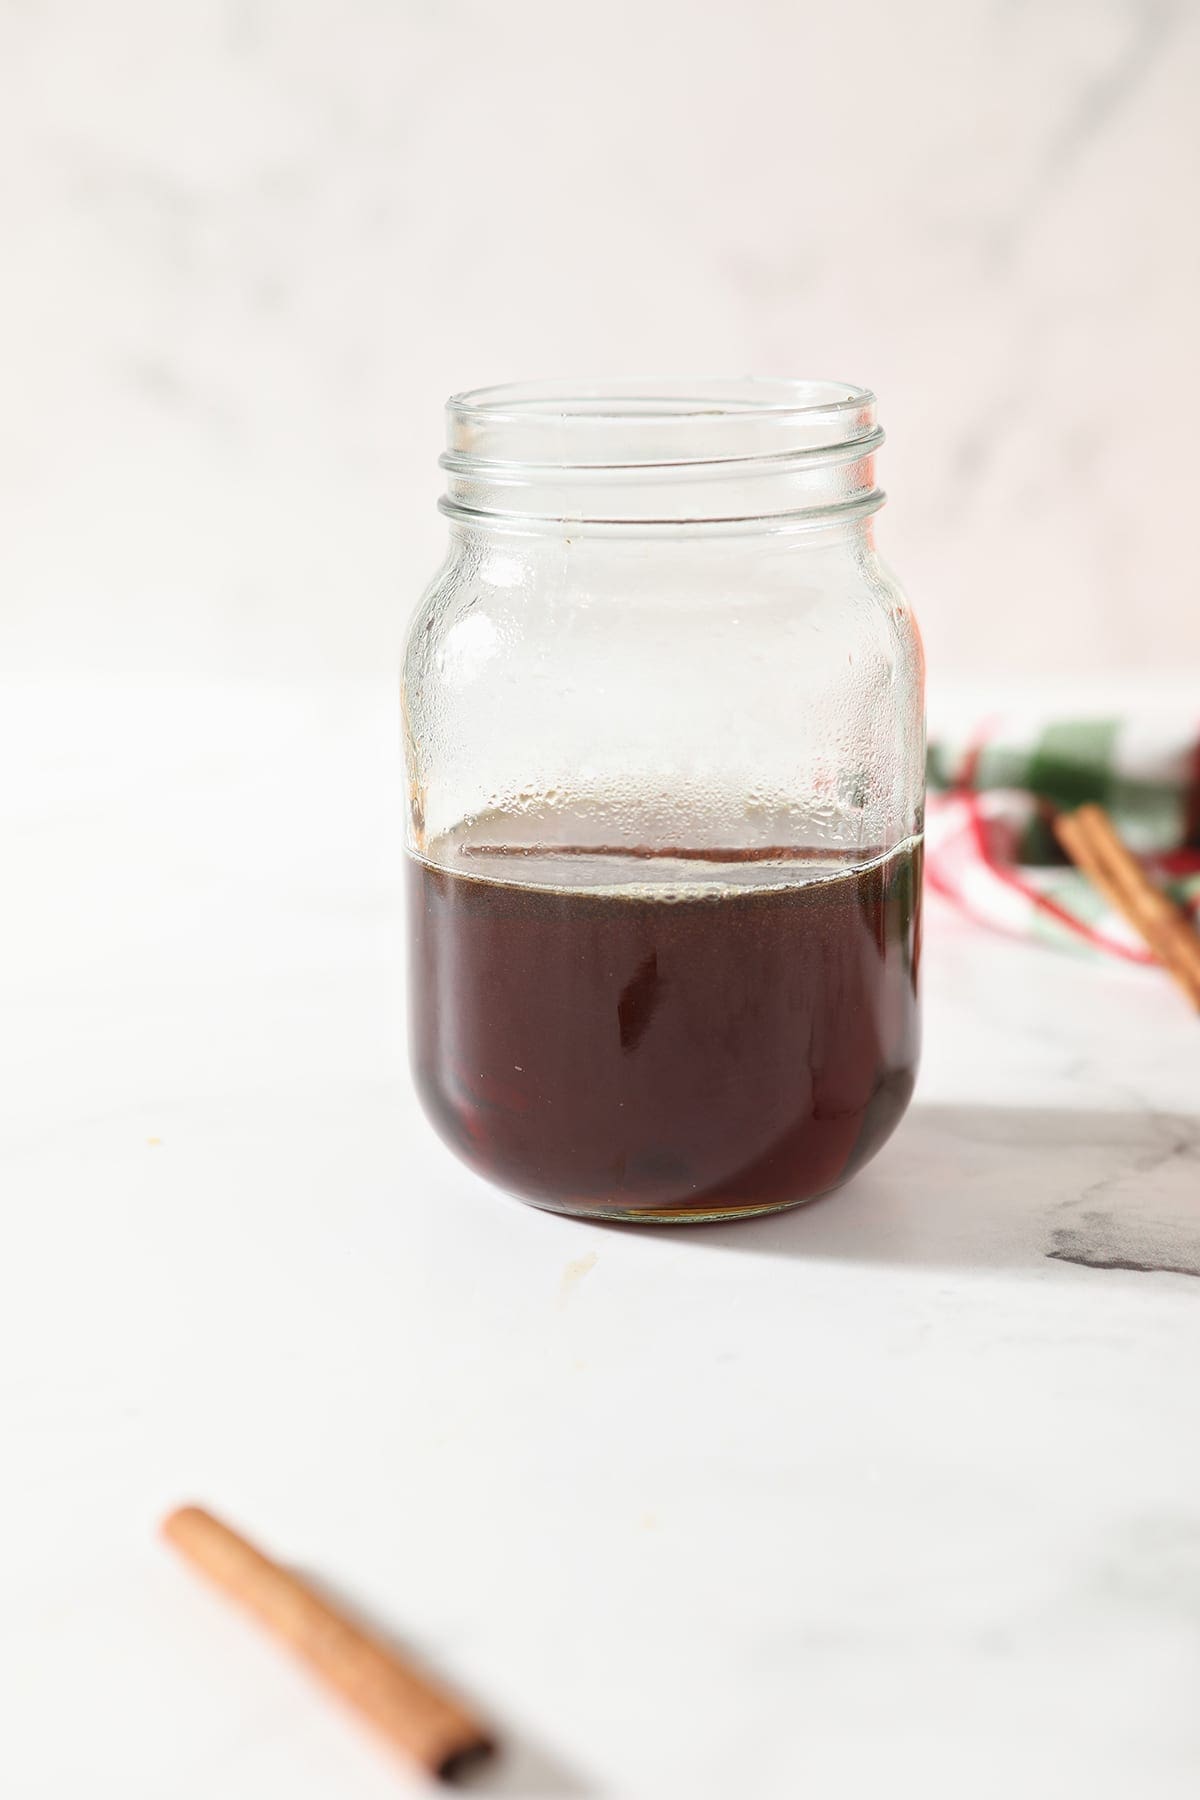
{"x": 893, "y": 1494}
{"x": 249, "y": 248}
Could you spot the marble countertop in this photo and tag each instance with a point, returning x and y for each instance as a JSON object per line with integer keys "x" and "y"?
{"x": 899, "y": 1493}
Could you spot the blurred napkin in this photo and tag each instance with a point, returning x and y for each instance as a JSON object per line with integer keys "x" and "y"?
{"x": 995, "y": 788}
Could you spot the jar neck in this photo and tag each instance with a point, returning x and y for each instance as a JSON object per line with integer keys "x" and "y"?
{"x": 652, "y": 458}
{"x": 506, "y": 552}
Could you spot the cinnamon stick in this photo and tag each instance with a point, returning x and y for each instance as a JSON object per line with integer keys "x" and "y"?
{"x": 416, "y": 1716}
{"x": 1093, "y": 843}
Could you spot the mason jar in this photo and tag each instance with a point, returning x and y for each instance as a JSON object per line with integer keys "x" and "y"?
{"x": 664, "y": 730}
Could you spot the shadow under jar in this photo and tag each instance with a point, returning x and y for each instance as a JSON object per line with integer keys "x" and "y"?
{"x": 663, "y": 712}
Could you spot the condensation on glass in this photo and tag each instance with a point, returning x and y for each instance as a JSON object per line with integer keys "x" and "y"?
{"x": 663, "y": 716}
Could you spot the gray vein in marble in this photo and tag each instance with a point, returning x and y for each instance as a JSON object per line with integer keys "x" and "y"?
{"x": 979, "y": 447}
{"x": 1104, "y": 1237}
{"x": 1101, "y": 98}
{"x": 1089, "y": 1257}
{"x": 1178, "y": 1139}
{"x": 1094, "y": 104}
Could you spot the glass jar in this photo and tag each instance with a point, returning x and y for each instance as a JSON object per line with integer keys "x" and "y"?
{"x": 664, "y": 728}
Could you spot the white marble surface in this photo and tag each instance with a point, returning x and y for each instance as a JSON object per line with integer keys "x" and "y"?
{"x": 897, "y": 1494}
{"x": 251, "y": 245}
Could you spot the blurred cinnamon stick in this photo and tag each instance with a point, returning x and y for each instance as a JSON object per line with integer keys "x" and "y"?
{"x": 1094, "y": 845}
{"x": 420, "y": 1719}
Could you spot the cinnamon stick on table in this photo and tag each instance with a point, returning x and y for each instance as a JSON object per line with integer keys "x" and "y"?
{"x": 420, "y": 1719}
{"x": 1093, "y": 843}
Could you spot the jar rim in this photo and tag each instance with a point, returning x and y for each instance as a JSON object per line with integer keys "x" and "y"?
{"x": 669, "y": 420}
{"x": 653, "y": 398}
{"x": 667, "y": 449}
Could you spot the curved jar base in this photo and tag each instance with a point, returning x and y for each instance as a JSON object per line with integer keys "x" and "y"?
{"x": 738, "y": 1200}
{"x": 683, "y": 1215}
{"x": 702, "y": 1212}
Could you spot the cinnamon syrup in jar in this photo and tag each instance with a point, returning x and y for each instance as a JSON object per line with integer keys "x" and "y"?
{"x": 669, "y": 1035}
